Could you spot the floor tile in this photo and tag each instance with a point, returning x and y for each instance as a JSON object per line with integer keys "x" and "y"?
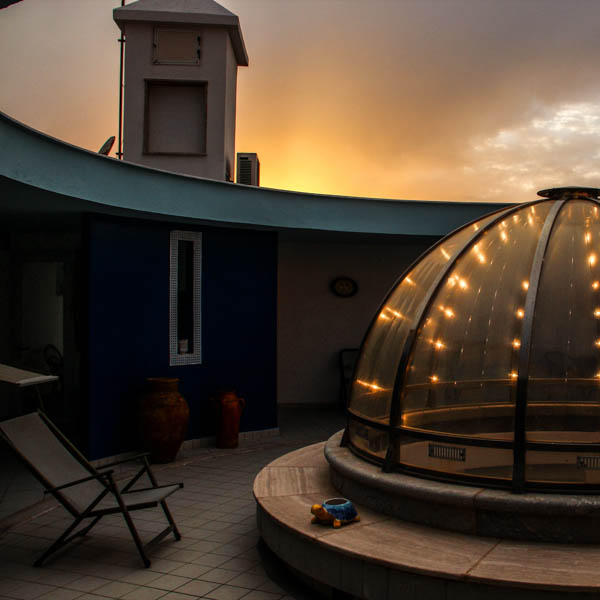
{"x": 29, "y": 590}
{"x": 140, "y": 577}
{"x": 205, "y": 546}
{"x": 186, "y": 556}
{"x": 227, "y": 592}
{"x": 178, "y": 596}
{"x": 271, "y": 586}
{"x": 222, "y": 536}
{"x": 219, "y": 575}
{"x": 169, "y": 582}
{"x": 60, "y": 594}
{"x": 144, "y": 593}
{"x": 87, "y": 583}
{"x": 116, "y": 589}
{"x": 239, "y": 563}
{"x": 216, "y": 514}
{"x": 165, "y": 565}
{"x": 211, "y": 560}
{"x": 258, "y": 595}
{"x": 248, "y": 580}
{"x": 197, "y": 587}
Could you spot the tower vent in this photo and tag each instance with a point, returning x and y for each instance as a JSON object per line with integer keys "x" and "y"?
{"x": 248, "y": 168}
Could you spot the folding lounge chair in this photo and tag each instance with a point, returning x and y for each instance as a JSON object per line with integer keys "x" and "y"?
{"x": 87, "y": 493}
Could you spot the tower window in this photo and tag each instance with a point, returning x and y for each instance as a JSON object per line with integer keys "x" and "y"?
{"x": 175, "y": 119}
{"x": 176, "y": 47}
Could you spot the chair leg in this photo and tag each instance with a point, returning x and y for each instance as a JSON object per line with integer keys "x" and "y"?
{"x": 86, "y": 529}
{"x": 163, "y": 504}
{"x": 129, "y": 521}
{"x": 61, "y": 541}
{"x": 167, "y": 512}
{"x": 135, "y": 535}
{"x": 65, "y": 538}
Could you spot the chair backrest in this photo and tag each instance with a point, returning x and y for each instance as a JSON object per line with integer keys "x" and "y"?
{"x": 48, "y": 456}
{"x": 348, "y": 358}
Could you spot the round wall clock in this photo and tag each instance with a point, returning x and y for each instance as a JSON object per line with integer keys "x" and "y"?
{"x": 344, "y": 287}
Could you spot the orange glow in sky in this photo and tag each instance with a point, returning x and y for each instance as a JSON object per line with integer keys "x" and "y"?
{"x": 415, "y": 99}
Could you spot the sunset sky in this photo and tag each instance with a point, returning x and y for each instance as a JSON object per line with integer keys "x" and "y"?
{"x": 414, "y": 99}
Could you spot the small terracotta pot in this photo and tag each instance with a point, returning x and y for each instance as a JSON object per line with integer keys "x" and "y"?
{"x": 164, "y": 417}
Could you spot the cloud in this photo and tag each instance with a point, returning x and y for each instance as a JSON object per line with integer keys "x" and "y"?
{"x": 560, "y": 146}
{"x": 428, "y": 99}
{"x": 412, "y": 87}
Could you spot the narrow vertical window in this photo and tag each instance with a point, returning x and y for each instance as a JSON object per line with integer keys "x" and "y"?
{"x": 185, "y": 298}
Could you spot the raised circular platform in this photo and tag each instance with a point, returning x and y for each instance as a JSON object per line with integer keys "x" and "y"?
{"x": 566, "y": 518}
{"x": 382, "y": 557}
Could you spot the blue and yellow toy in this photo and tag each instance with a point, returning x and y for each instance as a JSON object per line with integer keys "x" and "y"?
{"x": 336, "y": 511}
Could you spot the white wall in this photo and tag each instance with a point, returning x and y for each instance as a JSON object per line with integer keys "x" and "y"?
{"x": 230, "y": 109}
{"x": 213, "y": 70}
{"x": 313, "y": 324}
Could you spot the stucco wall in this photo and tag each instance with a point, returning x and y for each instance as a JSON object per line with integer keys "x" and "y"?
{"x": 129, "y": 327}
{"x": 314, "y": 324}
{"x": 212, "y": 70}
{"x": 230, "y": 110}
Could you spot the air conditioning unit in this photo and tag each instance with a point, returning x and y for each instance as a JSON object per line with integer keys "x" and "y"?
{"x": 248, "y": 168}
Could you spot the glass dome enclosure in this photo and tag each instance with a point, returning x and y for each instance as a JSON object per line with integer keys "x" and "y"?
{"x": 483, "y": 362}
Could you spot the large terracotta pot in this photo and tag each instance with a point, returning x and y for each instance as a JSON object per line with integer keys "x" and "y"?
{"x": 164, "y": 417}
{"x": 229, "y": 411}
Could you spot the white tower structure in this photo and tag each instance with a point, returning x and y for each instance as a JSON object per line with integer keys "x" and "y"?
{"x": 181, "y": 61}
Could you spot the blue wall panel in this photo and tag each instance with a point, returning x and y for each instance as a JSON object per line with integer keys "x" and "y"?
{"x": 129, "y": 327}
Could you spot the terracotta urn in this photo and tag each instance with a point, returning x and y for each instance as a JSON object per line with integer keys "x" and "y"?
{"x": 164, "y": 416}
{"x": 229, "y": 411}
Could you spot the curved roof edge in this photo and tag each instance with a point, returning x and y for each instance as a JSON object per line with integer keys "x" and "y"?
{"x": 29, "y": 157}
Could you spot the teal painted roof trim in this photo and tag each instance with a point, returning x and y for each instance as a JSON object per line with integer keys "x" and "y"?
{"x": 104, "y": 184}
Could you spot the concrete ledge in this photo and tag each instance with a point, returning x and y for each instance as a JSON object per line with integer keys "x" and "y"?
{"x": 382, "y": 557}
{"x": 205, "y": 442}
{"x": 245, "y": 436}
{"x": 542, "y": 517}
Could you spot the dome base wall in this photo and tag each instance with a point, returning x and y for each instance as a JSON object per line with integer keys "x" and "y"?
{"x": 544, "y": 517}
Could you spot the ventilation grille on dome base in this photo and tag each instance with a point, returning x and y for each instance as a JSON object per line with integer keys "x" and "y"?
{"x": 588, "y": 462}
{"x": 447, "y": 452}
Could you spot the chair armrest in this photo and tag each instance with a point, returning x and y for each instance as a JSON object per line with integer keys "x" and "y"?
{"x": 124, "y": 460}
{"x": 78, "y": 481}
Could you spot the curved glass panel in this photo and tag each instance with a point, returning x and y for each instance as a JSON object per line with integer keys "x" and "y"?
{"x": 461, "y": 379}
{"x": 467, "y": 461}
{"x": 458, "y": 398}
{"x": 566, "y": 467}
{"x": 378, "y": 363}
{"x": 368, "y": 439}
{"x": 563, "y": 393}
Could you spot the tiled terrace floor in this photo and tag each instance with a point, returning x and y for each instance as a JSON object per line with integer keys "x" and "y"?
{"x": 218, "y": 556}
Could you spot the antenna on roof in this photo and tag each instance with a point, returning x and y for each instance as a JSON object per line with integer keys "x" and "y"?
{"x": 106, "y": 147}
{"x": 121, "y": 41}
{"x": 5, "y": 3}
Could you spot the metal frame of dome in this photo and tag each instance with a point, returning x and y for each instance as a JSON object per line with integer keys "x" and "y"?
{"x": 519, "y": 445}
